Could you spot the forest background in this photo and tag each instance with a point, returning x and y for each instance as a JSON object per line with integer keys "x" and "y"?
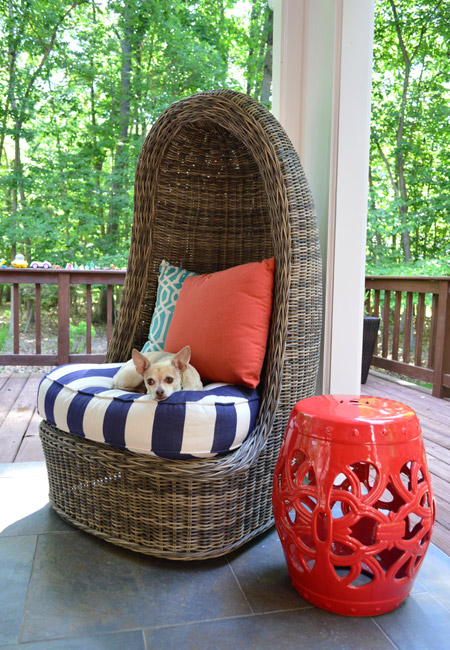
{"x": 82, "y": 81}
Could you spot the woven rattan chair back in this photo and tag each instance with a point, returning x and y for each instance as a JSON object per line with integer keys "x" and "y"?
{"x": 218, "y": 183}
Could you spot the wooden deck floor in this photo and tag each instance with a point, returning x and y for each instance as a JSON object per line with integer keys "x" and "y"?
{"x": 19, "y": 439}
{"x": 19, "y": 421}
{"x": 434, "y": 417}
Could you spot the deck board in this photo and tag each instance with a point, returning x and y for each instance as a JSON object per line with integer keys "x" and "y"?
{"x": 9, "y": 392}
{"x": 19, "y": 440}
{"x": 434, "y": 418}
{"x": 18, "y": 417}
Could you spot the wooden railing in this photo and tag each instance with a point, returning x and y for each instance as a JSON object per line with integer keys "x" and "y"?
{"x": 414, "y": 337}
{"x": 32, "y": 281}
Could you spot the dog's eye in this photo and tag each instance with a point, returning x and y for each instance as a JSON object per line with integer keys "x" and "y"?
{"x": 169, "y": 380}
{"x": 150, "y": 382}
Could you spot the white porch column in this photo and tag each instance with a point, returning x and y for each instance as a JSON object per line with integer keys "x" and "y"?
{"x": 321, "y": 95}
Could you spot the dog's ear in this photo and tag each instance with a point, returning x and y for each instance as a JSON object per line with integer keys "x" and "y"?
{"x": 141, "y": 363}
{"x": 181, "y": 359}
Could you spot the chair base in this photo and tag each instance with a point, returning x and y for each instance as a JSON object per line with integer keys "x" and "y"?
{"x": 129, "y": 500}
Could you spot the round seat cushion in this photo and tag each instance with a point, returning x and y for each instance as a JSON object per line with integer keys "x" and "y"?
{"x": 80, "y": 399}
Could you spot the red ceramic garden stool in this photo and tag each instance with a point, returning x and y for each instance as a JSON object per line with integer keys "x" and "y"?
{"x": 353, "y": 502}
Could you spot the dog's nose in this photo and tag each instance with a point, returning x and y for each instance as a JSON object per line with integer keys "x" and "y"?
{"x": 159, "y": 393}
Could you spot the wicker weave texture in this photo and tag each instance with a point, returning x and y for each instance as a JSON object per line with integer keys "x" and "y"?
{"x": 218, "y": 183}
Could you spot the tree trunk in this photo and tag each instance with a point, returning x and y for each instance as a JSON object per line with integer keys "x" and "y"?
{"x": 118, "y": 174}
{"x": 408, "y": 58}
{"x": 400, "y": 168}
{"x": 97, "y": 157}
{"x": 18, "y": 104}
{"x": 373, "y": 207}
{"x": 267, "y": 73}
{"x": 251, "y": 51}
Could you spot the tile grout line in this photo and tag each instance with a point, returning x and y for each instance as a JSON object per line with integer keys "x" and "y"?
{"x": 241, "y": 588}
{"x": 142, "y": 630}
{"x": 25, "y": 606}
{"x": 394, "y": 645}
{"x": 94, "y": 635}
{"x": 144, "y": 639}
{"x": 439, "y": 602}
{"x": 202, "y": 621}
{"x": 47, "y": 533}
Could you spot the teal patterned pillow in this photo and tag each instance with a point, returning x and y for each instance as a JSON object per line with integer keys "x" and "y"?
{"x": 170, "y": 281}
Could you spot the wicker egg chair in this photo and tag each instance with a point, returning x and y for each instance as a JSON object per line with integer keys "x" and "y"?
{"x": 218, "y": 184}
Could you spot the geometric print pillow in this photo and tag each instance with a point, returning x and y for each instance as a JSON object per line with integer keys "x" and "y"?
{"x": 170, "y": 281}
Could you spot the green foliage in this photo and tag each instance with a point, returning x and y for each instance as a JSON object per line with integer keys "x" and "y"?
{"x": 5, "y": 316}
{"x": 77, "y": 336}
{"x": 428, "y": 267}
{"x": 409, "y": 205}
{"x": 4, "y": 333}
{"x": 81, "y": 84}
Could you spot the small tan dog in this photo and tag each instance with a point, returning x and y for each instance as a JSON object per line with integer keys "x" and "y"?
{"x": 158, "y": 373}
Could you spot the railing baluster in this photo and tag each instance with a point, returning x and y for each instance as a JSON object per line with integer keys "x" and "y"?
{"x": 88, "y": 318}
{"x": 16, "y": 316}
{"x": 109, "y": 310}
{"x": 396, "y": 332}
{"x": 37, "y": 314}
{"x": 386, "y": 319}
{"x": 63, "y": 318}
{"x": 432, "y": 339}
{"x": 376, "y": 303}
{"x": 420, "y": 317}
{"x": 408, "y": 324}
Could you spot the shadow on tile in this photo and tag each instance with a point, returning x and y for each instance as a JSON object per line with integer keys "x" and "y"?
{"x": 83, "y": 586}
{"x": 44, "y": 520}
{"x": 16, "y": 561}
{"x": 262, "y": 573}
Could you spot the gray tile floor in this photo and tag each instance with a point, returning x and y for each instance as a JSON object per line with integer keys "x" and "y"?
{"x": 63, "y": 589}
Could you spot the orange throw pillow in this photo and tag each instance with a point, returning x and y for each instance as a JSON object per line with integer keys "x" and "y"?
{"x": 225, "y": 318}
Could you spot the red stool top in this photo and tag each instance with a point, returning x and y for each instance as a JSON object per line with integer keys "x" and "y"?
{"x": 357, "y": 420}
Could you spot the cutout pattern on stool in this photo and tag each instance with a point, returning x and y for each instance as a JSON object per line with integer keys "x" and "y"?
{"x": 388, "y": 518}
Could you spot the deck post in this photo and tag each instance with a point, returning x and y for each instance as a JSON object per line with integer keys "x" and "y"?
{"x": 442, "y": 349}
{"x": 446, "y": 355}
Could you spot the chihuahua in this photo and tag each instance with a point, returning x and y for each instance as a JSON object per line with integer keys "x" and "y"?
{"x": 158, "y": 373}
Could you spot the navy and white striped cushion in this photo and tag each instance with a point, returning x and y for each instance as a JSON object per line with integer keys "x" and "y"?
{"x": 79, "y": 399}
